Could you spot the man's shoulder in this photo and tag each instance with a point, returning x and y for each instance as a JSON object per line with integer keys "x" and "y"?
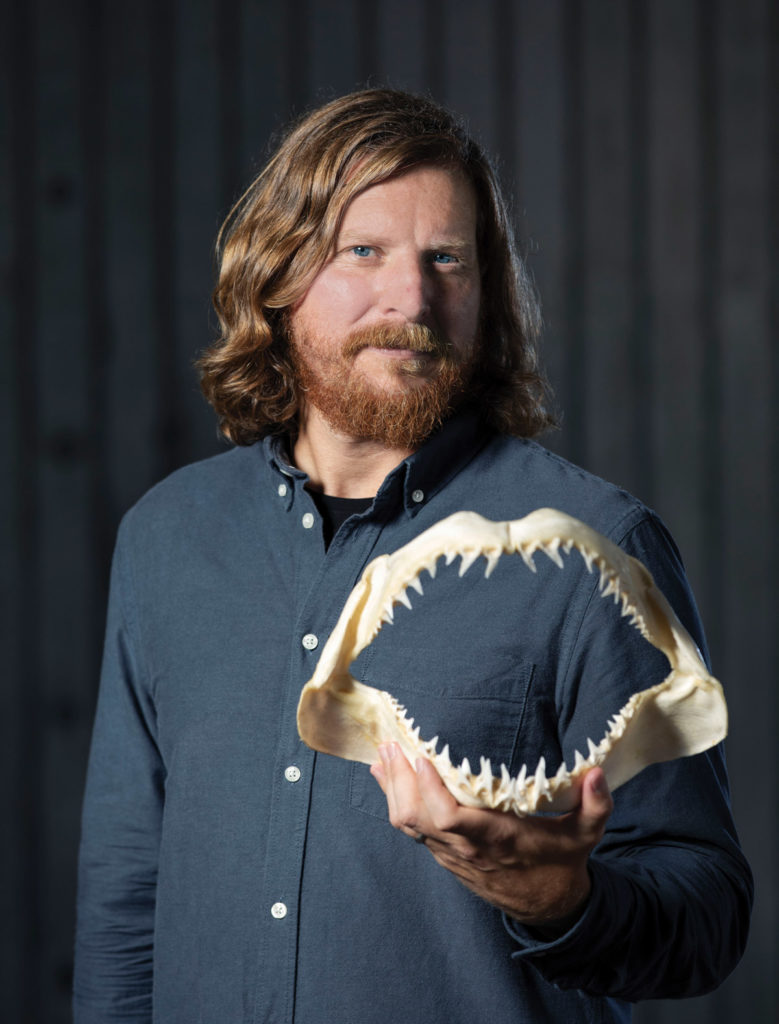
{"x": 208, "y": 488}
{"x": 528, "y": 475}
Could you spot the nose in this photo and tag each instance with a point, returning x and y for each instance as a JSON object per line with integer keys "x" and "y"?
{"x": 407, "y": 289}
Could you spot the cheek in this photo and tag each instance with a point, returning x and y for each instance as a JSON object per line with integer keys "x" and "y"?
{"x": 463, "y": 317}
{"x": 336, "y": 299}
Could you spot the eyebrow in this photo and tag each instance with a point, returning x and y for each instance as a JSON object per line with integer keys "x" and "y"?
{"x": 355, "y": 236}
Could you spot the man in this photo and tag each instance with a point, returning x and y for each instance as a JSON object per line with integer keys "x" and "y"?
{"x": 377, "y": 371}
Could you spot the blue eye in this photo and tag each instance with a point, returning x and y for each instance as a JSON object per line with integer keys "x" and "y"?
{"x": 362, "y": 250}
{"x": 443, "y": 257}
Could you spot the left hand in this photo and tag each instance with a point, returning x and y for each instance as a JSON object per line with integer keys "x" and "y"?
{"x": 533, "y": 868}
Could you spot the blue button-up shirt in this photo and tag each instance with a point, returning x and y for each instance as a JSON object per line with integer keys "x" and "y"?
{"x": 230, "y": 874}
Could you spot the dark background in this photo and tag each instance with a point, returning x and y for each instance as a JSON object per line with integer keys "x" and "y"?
{"x": 640, "y": 143}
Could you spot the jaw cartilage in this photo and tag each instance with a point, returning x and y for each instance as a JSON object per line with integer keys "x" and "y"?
{"x": 682, "y": 715}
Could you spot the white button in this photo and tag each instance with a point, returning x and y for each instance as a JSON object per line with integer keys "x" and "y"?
{"x": 308, "y": 520}
{"x": 282, "y": 490}
{"x": 418, "y": 496}
{"x": 310, "y": 642}
{"x": 279, "y": 910}
{"x": 292, "y": 773}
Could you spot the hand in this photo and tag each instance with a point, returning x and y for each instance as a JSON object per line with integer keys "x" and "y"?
{"x": 533, "y": 868}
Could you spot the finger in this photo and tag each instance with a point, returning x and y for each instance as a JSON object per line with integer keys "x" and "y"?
{"x": 406, "y": 808}
{"x": 377, "y": 771}
{"x": 597, "y": 803}
{"x": 441, "y": 806}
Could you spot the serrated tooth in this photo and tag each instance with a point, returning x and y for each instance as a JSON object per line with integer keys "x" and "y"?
{"x": 562, "y": 773}
{"x": 568, "y": 545}
{"x": 577, "y": 759}
{"x": 492, "y": 560}
{"x": 505, "y": 775}
{"x": 449, "y": 557}
{"x": 519, "y": 782}
{"x": 403, "y": 598}
{"x": 431, "y": 745}
{"x": 386, "y": 616}
{"x": 610, "y": 587}
{"x": 592, "y": 749}
{"x": 551, "y": 552}
{"x": 540, "y": 776}
{"x": 528, "y": 560}
{"x": 486, "y": 769}
{"x": 432, "y": 567}
{"x": 416, "y": 583}
{"x": 467, "y": 561}
{"x": 465, "y": 767}
{"x": 444, "y": 759}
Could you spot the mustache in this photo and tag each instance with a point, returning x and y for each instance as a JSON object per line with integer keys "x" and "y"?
{"x": 414, "y": 337}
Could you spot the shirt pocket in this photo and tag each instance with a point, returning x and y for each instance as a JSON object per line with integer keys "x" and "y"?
{"x": 484, "y": 721}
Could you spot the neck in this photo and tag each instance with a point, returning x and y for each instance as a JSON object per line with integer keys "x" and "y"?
{"x": 339, "y": 465}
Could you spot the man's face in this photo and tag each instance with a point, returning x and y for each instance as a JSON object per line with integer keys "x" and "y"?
{"x": 386, "y": 335}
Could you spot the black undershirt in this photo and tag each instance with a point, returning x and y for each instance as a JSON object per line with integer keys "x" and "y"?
{"x": 335, "y": 512}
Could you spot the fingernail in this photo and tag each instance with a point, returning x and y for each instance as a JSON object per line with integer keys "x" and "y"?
{"x": 387, "y": 752}
{"x": 418, "y": 764}
{"x": 599, "y": 785}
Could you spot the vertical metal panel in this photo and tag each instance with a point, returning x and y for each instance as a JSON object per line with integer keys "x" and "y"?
{"x": 402, "y": 60}
{"x": 64, "y": 606}
{"x": 18, "y": 732}
{"x": 261, "y": 51}
{"x": 607, "y": 376}
{"x": 640, "y": 351}
{"x": 708, "y": 258}
{"x": 164, "y": 131}
{"x": 335, "y": 66}
{"x": 674, "y": 212}
{"x": 748, "y": 606}
{"x": 505, "y": 134}
{"x": 135, "y": 253}
{"x": 544, "y": 174}
{"x": 197, "y": 204}
{"x": 468, "y": 41}
{"x": 573, "y": 310}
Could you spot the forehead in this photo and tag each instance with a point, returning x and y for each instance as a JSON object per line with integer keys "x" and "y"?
{"x": 431, "y": 198}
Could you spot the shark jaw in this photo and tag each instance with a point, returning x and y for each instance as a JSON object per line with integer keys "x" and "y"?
{"x": 682, "y": 715}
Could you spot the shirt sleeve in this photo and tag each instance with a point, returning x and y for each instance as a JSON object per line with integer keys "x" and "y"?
{"x": 671, "y": 891}
{"x": 121, "y": 824}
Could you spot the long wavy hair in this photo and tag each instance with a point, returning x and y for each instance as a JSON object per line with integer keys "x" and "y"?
{"x": 282, "y": 231}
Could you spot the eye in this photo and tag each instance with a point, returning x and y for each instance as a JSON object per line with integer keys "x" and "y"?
{"x": 444, "y": 258}
{"x": 362, "y": 250}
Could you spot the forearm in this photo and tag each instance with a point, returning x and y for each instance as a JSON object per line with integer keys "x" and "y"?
{"x": 665, "y": 923}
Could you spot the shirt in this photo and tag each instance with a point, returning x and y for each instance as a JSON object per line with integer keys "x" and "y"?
{"x": 230, "y": 874}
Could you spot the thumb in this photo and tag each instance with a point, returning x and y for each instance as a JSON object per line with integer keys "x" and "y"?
{"x": 597, "y": 803}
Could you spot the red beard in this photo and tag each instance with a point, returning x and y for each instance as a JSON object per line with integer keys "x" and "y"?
{"x": 399, "y": 419}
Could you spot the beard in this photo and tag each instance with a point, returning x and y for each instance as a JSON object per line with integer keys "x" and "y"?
{"x": 398, "y": 417}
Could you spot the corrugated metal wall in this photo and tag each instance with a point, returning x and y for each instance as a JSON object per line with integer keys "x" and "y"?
{"x": 640, "y": 142}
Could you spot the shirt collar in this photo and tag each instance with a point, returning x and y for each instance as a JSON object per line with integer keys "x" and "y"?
{"x": 416, "y": 479}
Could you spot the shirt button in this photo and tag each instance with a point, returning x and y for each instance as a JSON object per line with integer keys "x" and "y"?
{"x": 282, "y": 490}
{"x": 292, "y": 773}
{"x": 310, "y": 642}
{"x": 308, "y": 520}
{"x": 279, "y": 910}
{"x": 417, "y": 496}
